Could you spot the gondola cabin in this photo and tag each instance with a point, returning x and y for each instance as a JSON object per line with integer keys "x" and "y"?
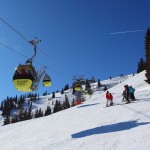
{"x": 86, "y": 91}
{"x": 24, "y": 77}
{"x": 77, "y": 86}
{"x": 47, "y": 81}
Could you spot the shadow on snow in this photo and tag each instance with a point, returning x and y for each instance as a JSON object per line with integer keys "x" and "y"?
{"x": 88, "y": 105}
{"x": 143, "y": 99}
{"x": 109, "y": 128}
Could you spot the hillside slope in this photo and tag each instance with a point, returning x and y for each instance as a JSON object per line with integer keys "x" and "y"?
{"x": 90, "y": 126}
{"x": 41, "y": 102}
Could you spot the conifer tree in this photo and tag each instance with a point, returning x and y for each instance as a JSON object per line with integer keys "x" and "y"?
{"x": 57, "y": 91}
{"x": 147, "y": 50}
{"x": 21, "y": 115}
{"x": 60, "y": 106}
{"x": 87, "y": 85}
{"x": 62, "y": 91}
{"x": 99, "y": 83}
{"x": 7, "y": 120}
{"x": 57, "y": 106}
{"x": 45, "y": 93}
{"x": 2, "y": 105}
{"x": 29, "y": 115}
{"x": 16, "y": 98}
{"x": 53, "y": 96}
{"x": 36, "y": 115}
{"x": 73, "y": 91}
{"x": 121, "y": 75}
{"x": 14, "y": 119}
{"x": 66, "y": 103}
{"x": 6, "y": 109}
{"x": 25, "y": 115}
{"x": 21, "y": 101}
{"x": 40, "y": 114}
{"x": 141, "y": 66}
{"x": 48, "y": 111}
{"x": 66, "y": 87}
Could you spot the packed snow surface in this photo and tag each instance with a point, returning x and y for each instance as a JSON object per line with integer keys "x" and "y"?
{"x": 89, "y": 126}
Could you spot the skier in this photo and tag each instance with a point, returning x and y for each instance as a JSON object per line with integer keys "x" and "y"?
{"x": 109, "y": 98}
{"x": 131, "y": 92}
{"x": 127, "y": 93}
{"x": 124, "y": 95}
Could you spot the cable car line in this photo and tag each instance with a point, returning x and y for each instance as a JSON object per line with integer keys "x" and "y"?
{"x": 13, "y": 50}
{"x": 55, "y": 60}
{"x": 18, "y": 53}
{"x": 14, "y": 30}
{"x": 23, "y": 36}
{"x": 49, "y": 56}
{"x": 26, "y": 78}
{"x": 30, "y": 42}
{"x": 28, "y": 58}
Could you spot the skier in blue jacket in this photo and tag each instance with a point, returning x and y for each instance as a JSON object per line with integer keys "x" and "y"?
{"x": 131, "y": 93}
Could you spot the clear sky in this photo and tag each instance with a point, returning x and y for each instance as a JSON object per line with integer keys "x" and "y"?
{"x": 75, "y": 36}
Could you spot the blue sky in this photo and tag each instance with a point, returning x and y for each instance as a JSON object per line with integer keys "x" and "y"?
{"x": 76, "y": 37}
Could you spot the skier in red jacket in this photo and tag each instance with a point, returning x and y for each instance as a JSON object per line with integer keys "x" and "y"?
{"x": 109, "y": 98}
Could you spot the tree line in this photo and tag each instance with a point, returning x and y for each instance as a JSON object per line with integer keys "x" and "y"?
{"x": 17, "y": 104}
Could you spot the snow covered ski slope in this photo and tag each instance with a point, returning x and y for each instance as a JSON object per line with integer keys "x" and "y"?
{"x": 88, "y": 126}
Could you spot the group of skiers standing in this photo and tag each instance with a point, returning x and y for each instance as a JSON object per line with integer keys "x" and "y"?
{"x": 128, "y": 94}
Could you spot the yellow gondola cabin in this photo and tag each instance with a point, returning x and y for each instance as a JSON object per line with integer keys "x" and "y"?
{"x": 47, "y": 81}
{"x": 77, "y": 86}
{"x": 24, "y": 77}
